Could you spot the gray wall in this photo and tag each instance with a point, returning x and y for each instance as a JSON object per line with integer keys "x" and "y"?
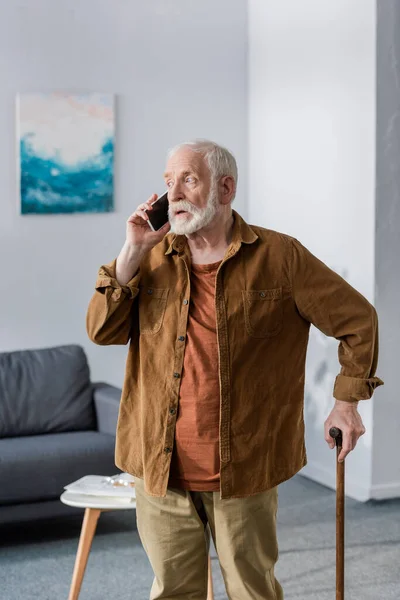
{"x": 386, "y": 457}
{"x": 178, "y": 68}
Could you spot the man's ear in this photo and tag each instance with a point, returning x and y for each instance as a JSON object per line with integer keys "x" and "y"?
{"x": 227, "y": 189}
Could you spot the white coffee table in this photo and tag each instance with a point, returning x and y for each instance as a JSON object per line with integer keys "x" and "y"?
{"x": 94, "y": 506}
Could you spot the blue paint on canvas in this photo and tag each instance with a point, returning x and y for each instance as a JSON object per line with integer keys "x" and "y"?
{"x": 48, "y": 185}
{"x": 66, "y": 145}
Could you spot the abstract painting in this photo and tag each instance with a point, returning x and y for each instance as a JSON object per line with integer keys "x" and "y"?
{"x": 66, "y": 152}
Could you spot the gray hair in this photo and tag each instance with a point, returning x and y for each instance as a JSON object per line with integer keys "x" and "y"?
{"x": 220, "y": 161}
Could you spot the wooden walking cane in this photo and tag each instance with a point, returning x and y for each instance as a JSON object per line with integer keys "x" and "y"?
{"x": 336, "y": 434}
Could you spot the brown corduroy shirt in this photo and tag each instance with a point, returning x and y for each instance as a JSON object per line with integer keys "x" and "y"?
{"x": 269, "y": 288}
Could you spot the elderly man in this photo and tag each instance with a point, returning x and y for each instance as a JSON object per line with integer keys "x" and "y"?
{"x": 217, "y": 315}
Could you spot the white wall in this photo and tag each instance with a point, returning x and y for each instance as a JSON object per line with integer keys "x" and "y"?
{"x": 386, "y": 458}
{"x": 179, "y": 70}
{"x": 311, "y": 169}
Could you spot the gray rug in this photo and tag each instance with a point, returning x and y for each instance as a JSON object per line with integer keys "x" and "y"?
{"x": 36, "y": 560}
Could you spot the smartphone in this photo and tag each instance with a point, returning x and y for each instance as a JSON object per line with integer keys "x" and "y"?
{"x": 158, "y": 216}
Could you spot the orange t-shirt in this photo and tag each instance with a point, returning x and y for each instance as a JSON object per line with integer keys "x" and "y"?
{"x": 195, "y": 462}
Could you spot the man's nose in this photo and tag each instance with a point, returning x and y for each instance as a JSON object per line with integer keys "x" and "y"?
{"x": 175, "y": 193}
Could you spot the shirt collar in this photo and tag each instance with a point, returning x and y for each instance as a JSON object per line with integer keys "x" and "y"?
{"x": 242, "y": 234}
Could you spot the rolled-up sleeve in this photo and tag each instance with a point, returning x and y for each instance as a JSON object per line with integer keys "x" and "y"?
{"x": 327, "y": 301}
{"x": 109, "y": 315}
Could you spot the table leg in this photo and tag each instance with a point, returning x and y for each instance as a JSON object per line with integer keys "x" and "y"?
{"x": 210, "y": 591}
{"x": 85, "y": 542}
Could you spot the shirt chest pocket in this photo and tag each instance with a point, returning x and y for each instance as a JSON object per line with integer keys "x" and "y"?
{"x": 263, "y": 312}
{"x": 152, "y": 305}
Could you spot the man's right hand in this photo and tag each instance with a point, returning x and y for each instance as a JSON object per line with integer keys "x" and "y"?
{"x": 138, "y": 232}
{"x": 140, "y": 239}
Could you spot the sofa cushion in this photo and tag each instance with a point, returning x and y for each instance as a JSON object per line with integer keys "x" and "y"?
{"x": 36, "y": 468}
{"x": 45, "y": 391}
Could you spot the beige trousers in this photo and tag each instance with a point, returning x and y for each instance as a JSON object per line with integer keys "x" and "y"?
{"x": 174, "y": 535}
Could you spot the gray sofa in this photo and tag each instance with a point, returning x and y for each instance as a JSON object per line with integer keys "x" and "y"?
{"x": 55, "y": 427}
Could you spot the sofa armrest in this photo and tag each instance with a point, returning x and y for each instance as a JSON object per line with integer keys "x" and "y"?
{"x": 106, "y": 401}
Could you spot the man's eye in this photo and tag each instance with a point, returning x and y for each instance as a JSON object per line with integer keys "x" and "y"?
{"x": 189, "y": 179}
{"x": 169, "y": 184}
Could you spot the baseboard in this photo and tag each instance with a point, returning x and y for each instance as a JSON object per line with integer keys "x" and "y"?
{"x": 353, "y": 489}
{"x": 385, "y": 491}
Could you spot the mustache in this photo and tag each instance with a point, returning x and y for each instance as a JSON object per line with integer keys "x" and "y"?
{"x": 182, "y": 205}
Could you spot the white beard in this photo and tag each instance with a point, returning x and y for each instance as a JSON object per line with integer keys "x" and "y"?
{"x": 199, "y": 217}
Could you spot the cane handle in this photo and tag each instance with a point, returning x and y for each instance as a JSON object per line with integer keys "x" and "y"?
{"x": 336, "y": 434}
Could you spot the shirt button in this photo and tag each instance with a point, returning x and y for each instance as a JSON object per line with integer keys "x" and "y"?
{"x": 181, "y": 338}
{"x": 172, "y": 411}
{"x": 176, "y": 375}
{"x": 149, "y": 291}
{"x": 186, "y": 302}
{"x": 262, "y": 294}
{"x": 167, "y": 450}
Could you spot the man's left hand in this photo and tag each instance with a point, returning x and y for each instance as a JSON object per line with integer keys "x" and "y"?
{"x": 346, "y": 417}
